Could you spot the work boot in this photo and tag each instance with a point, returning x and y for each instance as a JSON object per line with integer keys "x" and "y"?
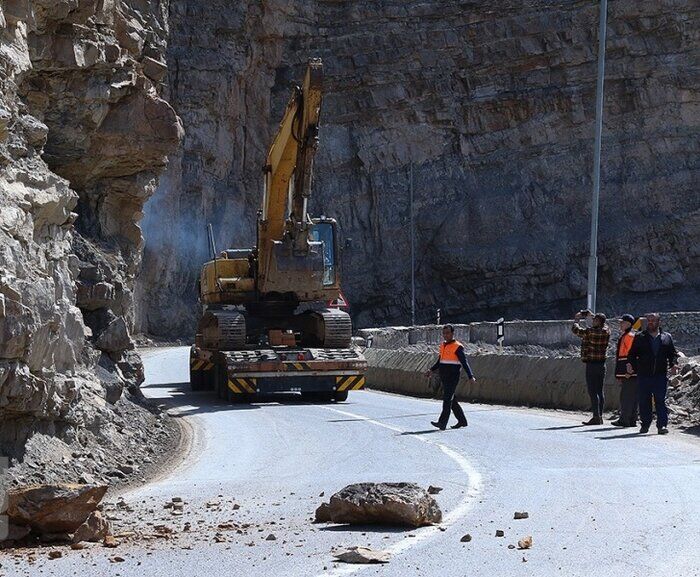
{"x": 459, "y": 425}
{"x": 594, "y": 421}
{"x": 618, "y": 423}
{"x": 663, "y": 431}
{"x": 437, "y": 425}
{"x": 644, "y": 429}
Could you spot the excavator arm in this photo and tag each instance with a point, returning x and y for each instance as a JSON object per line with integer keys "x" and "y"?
{"x": 289, "y": 167}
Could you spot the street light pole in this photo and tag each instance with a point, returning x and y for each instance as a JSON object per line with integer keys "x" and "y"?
{"x": 413, "y": 254}
{"x": 593, "y": 258}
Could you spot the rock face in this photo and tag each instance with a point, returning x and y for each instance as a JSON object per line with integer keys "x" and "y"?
{"x": 53, "y": 508}
{"x": 381, "y": 503}
{"x": 83, "y": 136}
{"x": 493, "y": 106}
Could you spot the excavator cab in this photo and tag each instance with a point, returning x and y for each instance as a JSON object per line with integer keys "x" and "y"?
{"x": 324, "y": 231}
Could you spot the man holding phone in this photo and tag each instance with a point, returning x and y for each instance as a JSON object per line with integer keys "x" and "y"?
{"x": 594, "y": 346}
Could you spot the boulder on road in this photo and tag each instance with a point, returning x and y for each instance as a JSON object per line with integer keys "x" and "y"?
{"x": 404, "y": 504}
{"x": 60, "y": 508}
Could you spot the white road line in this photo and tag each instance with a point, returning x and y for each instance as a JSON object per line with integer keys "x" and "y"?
{"x": 474, "y": 485}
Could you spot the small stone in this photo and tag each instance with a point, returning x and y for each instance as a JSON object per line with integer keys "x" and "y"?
{"x": 362, "y": 555}
{"x": 110, "y": 541}
{"x": 55, "y": 554}
{"x": 511, "y": 546}
{"x": 271, "y": 537}
{"x": 432, "y": 490}
{"x": 525, "y": 542}
{"x": 500, "y": 533}
{"x": 466, "y": 538}
{"x": 521, "y": 515}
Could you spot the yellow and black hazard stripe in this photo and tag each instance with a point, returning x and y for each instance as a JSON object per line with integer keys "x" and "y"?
{"x": 198, "y": 365}
{"x": 349, "y": 383}
{"x": 242, "y": 385}
{"x": 298, "y": 366}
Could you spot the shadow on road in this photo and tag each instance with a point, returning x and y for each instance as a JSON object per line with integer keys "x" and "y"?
{"x": 366, "y": 529}
{"x": 635, "y": 433}
{"x": 178, "y": 396}
{"x": 423, "y": 432}
{"x": 559, "y": 428}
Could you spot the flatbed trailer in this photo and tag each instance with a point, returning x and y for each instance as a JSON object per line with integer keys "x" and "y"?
{"x": 242, "y": 375}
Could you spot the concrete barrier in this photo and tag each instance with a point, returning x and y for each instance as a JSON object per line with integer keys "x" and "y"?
{"x": 685, "y": 328}
{"x": 503, "y": 379}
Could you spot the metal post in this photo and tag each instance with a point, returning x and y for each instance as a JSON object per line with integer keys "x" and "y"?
{"x": 593, "y": 258}
{"x": 413, "y": 254}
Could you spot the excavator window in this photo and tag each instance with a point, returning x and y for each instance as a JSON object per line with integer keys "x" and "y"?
{"x": 325, "y": 232}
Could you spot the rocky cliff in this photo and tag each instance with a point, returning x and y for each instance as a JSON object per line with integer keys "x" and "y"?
{"x": 491, "y": 103}
{"x": 83, "y": 136}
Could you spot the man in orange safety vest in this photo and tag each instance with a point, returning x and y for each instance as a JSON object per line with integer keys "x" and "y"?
{"x": 449, "y": 363}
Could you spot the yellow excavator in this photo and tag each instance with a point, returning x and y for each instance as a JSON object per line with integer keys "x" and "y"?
{"x": 266, "y": 326}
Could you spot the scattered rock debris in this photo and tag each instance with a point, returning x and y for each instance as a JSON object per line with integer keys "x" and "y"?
{"x": 525, "y": 542}
{"x": 466, "y": 538}
{"x": 500, "y": 533}
{"x": 433, "y": 490}
{"x": 521, "y": 515}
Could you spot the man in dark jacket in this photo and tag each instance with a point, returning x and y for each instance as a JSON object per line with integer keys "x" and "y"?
{"x": 594, "y": 345}
{"x": 627, "y": 381}
{"x": 652, "y": 355}
{"x": 450, "y": 361}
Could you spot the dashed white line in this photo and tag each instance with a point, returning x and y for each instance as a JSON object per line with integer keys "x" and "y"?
{"x": 474, "y": 484}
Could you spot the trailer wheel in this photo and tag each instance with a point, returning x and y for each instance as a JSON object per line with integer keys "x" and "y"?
{"x": 196, "y": 379}
{"x": 220, "y": 382}
{"x": 340, "y": 396}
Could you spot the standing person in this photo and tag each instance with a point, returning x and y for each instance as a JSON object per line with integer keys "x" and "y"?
{"x": 594, "y": 345}
{"x": 451, "y": 359}
{"x": 652, "y": 355}
{"x": 627, "y": 381}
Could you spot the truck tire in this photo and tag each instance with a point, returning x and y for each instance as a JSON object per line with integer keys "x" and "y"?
{"x": 196, "y": 381}
{"x": 340, "y": 396}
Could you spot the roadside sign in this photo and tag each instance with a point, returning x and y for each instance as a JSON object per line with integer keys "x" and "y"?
{"x": 500, "y": 332}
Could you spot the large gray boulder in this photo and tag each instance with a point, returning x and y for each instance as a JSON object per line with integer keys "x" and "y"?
{"x": 381, "y": 503}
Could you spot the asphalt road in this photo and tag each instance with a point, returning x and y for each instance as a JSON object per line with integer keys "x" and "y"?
{"x": 601, "y": 501}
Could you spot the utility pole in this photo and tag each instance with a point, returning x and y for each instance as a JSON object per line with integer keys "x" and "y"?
{"x": 593, "y": 258}
{"x": 413, "y": 252}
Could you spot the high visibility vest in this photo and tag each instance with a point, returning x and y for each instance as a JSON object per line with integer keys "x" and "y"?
{"x": 623, "y": 349}
{"x": 448, "y": 353}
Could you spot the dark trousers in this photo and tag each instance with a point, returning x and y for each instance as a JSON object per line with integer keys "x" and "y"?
{"x": 595, "y": 376}
{"x": 450, "y": 403}
{"x": 653, "y": 387}
{"x": 629, "y": 396}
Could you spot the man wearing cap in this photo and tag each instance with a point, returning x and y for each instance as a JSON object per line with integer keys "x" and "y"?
{"x": 594, "y": 345}
{"x": 651, "y": 357}
{"x": 627, "y": 381}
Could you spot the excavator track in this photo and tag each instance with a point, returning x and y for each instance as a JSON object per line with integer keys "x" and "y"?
{"x": 223, "y": 330}
{"x": 333, "y": 328}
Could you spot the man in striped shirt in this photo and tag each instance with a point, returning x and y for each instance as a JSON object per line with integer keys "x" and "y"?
{"x": 594, "y": 346}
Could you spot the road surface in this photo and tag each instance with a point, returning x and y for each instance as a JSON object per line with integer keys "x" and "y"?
{"x": 601, "y": 501}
